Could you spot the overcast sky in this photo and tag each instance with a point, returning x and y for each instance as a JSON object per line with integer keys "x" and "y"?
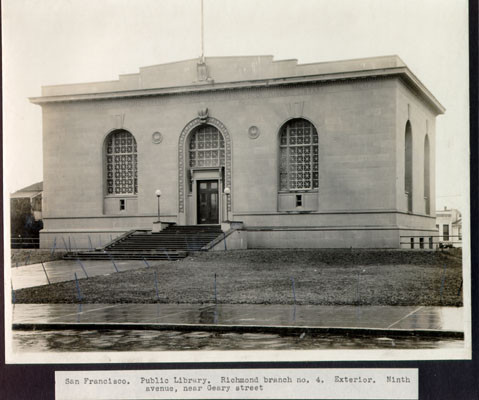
{"x": 67, "y": 41}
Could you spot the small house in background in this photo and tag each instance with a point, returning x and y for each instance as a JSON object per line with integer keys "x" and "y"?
{"x": 26, "y": 216}
{"x": 449, "y": 226}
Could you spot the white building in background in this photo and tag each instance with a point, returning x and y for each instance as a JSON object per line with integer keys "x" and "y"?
{"x": 449, "y": 226}
{"x": 31, "y": 194}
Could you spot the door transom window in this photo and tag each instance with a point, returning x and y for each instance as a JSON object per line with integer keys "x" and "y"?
{"x": 206, "y": 148}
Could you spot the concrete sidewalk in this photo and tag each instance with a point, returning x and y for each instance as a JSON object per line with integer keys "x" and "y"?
{"x": 64, "y": 270}
{"x": 287, "y": 319}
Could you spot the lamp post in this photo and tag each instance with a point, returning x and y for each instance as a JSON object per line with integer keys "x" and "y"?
{"x": 227, "y": 192}
{"x": 158, "y": 195}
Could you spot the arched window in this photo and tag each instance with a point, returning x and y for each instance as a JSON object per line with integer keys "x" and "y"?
{"x": 427, "y": 183}
{"x": 206, "y": 147}
{"x": 408, "y": 186}
{"x": 121, "y": 163}
{"x": 299, "y": 156}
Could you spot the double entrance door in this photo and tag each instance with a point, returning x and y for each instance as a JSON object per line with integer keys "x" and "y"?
{"x": 208, "y": 202}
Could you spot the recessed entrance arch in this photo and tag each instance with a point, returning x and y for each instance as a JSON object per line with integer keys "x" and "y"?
{"x": 204, "y": 160}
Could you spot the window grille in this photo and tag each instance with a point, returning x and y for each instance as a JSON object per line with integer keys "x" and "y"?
{"x": 427, "y": 173}
{"x": 299, "y": 156}
{"x": 121, "y": 164}
{"x": 206, "y": 148}
{"x": 408, "y": 166}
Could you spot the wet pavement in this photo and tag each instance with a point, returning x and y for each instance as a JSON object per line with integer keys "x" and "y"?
{"x": 64, "y": 270}
{"x": 433, "y": 320}
{"x": 171, "y": 340}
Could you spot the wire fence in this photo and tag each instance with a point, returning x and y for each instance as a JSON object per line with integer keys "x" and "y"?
{"x": 25, "y": 242}
{"x": 419, "y": 242}
{"x": 65, "y": 243}
{"x": 69, "y": 244}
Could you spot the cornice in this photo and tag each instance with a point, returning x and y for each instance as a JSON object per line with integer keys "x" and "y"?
{"x": 402, "y": 72}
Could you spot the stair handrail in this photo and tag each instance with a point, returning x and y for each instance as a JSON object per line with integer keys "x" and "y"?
{"x": 119, "y": 238}
{"x": 221, "y": 237}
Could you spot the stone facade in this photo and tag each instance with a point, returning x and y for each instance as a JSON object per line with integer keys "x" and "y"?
{"x": 360, "y": 110}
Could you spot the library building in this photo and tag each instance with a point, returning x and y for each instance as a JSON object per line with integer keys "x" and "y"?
{"x": 260, "y": 153}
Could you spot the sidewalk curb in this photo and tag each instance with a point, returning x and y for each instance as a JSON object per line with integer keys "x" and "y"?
{"x": 282, "y": 330}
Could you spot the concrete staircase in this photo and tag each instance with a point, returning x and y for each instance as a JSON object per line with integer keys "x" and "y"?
{"x": 172, "y": 243}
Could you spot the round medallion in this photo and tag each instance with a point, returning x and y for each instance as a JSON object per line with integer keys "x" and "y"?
{"x": 156, "y": 137}
{"x": 253, "y": 132}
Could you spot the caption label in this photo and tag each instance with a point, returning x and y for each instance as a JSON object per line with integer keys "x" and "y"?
{"x": 388, "y": 384}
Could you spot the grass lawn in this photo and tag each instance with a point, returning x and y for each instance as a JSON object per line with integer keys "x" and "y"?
{"x": 326, "y": 277}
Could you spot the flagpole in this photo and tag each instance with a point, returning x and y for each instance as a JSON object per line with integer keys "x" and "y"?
{"x": 202, "y": 35}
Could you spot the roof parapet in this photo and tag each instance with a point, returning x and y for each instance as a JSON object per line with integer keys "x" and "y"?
{"x": 233, "y": 73}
